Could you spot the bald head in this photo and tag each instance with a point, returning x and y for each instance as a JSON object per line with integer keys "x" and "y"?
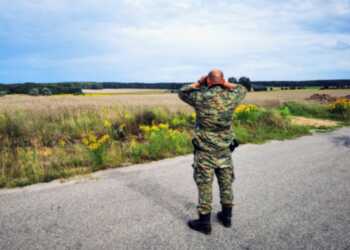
{"x": 216, "y": 76}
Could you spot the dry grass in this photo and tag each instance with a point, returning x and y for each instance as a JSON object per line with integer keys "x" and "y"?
{"x": 303, "y": 121}
{"x": 145, "y": 98}
{"x": 15, "y": 102}
{"x": 274, "y": 98}
{"x": 123, "y": 91}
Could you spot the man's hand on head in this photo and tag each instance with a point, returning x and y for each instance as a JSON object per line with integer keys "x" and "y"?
{"x": 216, "y": 77}
{"x": 195, "y": 85}
{"x": 203, "y": 80}
{"x": 229, "y": 85}
{"x": 200, "y": 82}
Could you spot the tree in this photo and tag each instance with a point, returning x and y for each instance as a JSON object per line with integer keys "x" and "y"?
{"x": 34, "y": 91}
{"x": 46, "y": 91}
{"x": 232, "y": 79}
{"x": 245, "y": 81}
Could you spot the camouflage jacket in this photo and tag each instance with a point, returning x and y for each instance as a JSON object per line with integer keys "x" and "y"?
{"x": 214, "y": 108}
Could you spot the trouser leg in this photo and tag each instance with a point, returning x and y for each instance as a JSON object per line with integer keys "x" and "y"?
{"x": 203, "y": 176}
{"x": 225, "y": 178}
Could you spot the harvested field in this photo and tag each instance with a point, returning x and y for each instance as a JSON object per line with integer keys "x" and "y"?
{"x": 274, "y": 98}
{"x": 148, "y": 99}
{"x": 124, "y": 91}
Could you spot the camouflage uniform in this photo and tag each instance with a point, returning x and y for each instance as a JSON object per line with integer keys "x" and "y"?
{"x": 213, "y": 135}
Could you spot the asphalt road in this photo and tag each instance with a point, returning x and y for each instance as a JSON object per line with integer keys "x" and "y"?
{"x": 289, "y": 195}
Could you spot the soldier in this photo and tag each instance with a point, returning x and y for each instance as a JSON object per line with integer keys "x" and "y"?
{"x": 214, "y": 101}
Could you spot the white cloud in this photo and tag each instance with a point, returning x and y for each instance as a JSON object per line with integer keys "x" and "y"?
{"x": 180, "y": 38}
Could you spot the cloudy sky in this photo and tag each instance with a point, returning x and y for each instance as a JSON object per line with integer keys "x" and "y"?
{"x": 167, "y": 40}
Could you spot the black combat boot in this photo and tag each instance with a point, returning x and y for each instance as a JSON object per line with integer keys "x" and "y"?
{"x": 202, "y": 224}
{"x": 225, "y": 216}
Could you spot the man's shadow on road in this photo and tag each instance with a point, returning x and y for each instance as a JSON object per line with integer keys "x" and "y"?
{"x": 342, "y": 141}
{"x": 177, "y": 205}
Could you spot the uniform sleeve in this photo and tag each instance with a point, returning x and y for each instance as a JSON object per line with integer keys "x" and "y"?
{"x": 238, "y": 93}
{"x": 188, "y": 94}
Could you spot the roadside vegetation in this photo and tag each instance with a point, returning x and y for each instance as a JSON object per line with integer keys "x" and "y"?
{"x": 42, "y": 146}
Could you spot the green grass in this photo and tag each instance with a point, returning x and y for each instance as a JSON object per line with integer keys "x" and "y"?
{"x": 40, "y": 147}
{"x": 268, "y": 125}
{"x": 314, "y": 110}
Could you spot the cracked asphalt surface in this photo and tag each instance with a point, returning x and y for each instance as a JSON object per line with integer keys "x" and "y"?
{"x": 289, "y": 195}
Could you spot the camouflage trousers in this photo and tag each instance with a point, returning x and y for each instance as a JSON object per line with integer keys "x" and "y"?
{"x": 205, "y": 165}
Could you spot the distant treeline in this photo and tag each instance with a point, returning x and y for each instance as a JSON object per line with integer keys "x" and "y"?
{"x": 41, "y": 88}
{"x": 76, "y": 87}
{"x": 312, "y": 83}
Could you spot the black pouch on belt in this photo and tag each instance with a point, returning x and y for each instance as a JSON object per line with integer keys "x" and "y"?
{"x": 195, "y": 144}
{"x": 234, "y": 144}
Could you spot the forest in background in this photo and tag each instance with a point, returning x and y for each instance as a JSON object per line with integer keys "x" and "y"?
{"x": 32, "y": 88}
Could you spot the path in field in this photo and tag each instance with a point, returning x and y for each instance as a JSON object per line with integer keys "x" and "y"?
{"x": 289, "y": 195}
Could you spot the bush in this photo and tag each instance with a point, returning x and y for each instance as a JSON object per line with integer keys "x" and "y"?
{"x": 97, "y": 148}
{"x": 340, "y": 108}
{"x": 307, "y": 110}
{"x": 34, "y": 92}
{"x": 247, "y": 113}
{"x": 46, "y": 91}
{"x": 284, "y": 111}
{"x": 255, "y": 124}
{"x": 160, "y": 141}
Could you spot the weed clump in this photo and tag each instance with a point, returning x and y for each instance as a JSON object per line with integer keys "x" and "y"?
{"x": 160, "y": 141}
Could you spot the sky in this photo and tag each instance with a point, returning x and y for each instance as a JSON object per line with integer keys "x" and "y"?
{"x": 173, "y": 41}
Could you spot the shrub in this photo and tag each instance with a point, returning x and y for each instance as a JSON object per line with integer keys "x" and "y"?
{"x": 338, "y": 110}
{"x": 2, "y": 181}
{"x": 97, "y": 148}
{"x": 247, "y": 113}
{"x": 307, "y": 110}
{"x": 34, "y": 92}
{"x": 160, "y": 141}
{"x": 284, "y": 111}
{"x": 267, "y": 125}
{"x": 340, "y": 107}
{"x": 46, "y": 91}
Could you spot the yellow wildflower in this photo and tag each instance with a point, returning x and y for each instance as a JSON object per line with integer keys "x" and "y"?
{"x": 246, "y": 108}
{"x": 61, "y": 142}
{"x": 94, "y": 146}
{"x": 85, "y": 141}
{"x": 144, "y": 128}
{"x": 127, "y": 115}
{"x": 103, "y": 139}
{"x": 163, "y": 126}
{"x": 107, "y": 124}
{"x": 92, "y": 137}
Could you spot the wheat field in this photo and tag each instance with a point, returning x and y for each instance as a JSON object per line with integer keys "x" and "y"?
{"x": 144, "y": 99}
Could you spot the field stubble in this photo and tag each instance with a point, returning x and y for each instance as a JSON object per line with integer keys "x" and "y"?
{"x": 147, "y": 99}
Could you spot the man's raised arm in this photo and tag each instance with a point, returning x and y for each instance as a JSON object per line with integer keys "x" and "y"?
{"x": 188, "y": 93}
{"x": 238, "y": 91}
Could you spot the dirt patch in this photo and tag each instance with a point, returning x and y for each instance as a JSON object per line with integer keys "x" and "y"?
{"x": 326, "y": 98}
{"x": 322, "y": 98}
{"x": 299, "y": 120}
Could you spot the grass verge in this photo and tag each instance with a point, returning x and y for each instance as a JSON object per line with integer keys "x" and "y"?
{"x": 40, "y": 147}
